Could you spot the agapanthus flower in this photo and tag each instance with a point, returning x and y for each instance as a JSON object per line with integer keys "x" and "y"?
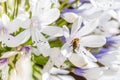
{"x": 38, "y": 24}
{"x": 84, "y": 40}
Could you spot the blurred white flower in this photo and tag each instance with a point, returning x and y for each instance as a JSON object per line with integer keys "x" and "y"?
{"x": 23, "y": 66}
{"x": 2, "y": 0}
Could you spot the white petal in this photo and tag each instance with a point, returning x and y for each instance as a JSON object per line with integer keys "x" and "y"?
{"x": 39, "y": 39}
{"x": 66, "y": 77}
{"x": 58, "y": 71}
{"x": 45, "y": 76}
{"x": 19, "y": 39}
{"x": 49, "y": 16}
{"x": 76, "y": 25}
{"x": 93, "y": 74}
{"x": 59, "y": 61}
{"x": 26, "y": 24}
{"x": 70, "y": 17}
{"x": 48, "y": 66}
{"x": 88, "y": 28}
{"x": 78, "y": 60}
{"x": 5, "y": 19}
{"x": 108, "y": 59}
{"x": 65, "y": 50}
{"x": 5, "y": 73}
{"x": 13, "y": 75}
{"x": 9, "y": 54}
{"x": 5, "y": 38}
{"x": 66, "y": 32}
{"x": 87, "y": 54}
{"x": 56, "y": 57}
{"x": 13, "y": 26}
{"x": 24, "y": 67}
{"x": 36, "y": 51}
{"x": 93, "y": 41}
{"x": 53, "y": 31}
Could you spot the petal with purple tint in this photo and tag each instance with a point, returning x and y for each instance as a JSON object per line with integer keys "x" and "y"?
{"x": 85, "y": 1}
{"x": 3, "y": 61}
{"x": 72, "y": 10}
{"x": 79, "y": 71}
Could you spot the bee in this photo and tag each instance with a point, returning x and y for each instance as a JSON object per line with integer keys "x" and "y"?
{"x": 75, "y": 43}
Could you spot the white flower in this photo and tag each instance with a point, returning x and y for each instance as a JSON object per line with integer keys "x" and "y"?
{"x": 70, "y": 49}
{"x": 39, "y": 24}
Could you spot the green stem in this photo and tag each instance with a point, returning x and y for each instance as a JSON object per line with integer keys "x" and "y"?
{"x": 4, "y": 7}
{"x": 63, "y": 4}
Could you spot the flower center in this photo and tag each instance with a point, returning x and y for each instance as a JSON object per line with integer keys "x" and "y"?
{"x": 35, "y": 23}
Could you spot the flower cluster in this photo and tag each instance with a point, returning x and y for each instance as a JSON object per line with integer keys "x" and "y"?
{"x": 59, "y": 40}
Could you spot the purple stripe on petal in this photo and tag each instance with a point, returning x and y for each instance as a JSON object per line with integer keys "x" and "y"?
{"x": 79, "y": 71}
{"x": 85, "y": 1}
{"x": 104, "y": 50}
{"x": 73, "y": 10}
{"x": 70, "y": 1}
{"x": 110, "y": 41}
{"x": 101, "y": 53}
{"x": 3, "y": 61}
{"x": 63, "y": 39}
